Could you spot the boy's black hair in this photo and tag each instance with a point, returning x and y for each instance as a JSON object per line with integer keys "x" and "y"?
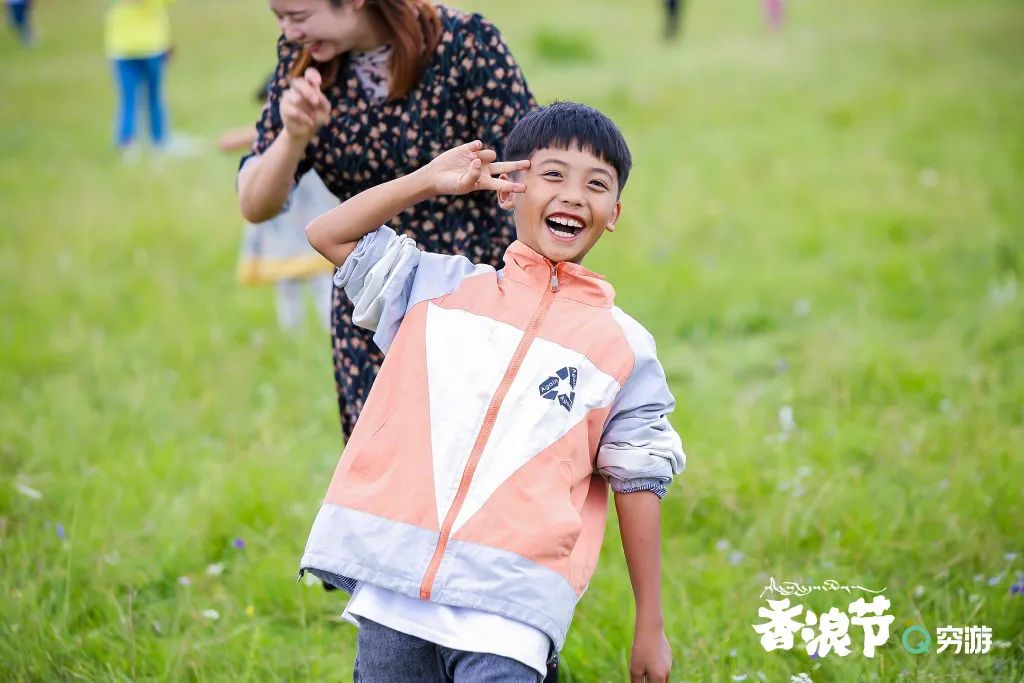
{"x": 568, "y": 124}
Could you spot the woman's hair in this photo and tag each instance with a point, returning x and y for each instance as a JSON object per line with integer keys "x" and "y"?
{"x": 414, "y": 27}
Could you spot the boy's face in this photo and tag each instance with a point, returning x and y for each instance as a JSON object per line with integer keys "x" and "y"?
{"x": 571, "y": 198}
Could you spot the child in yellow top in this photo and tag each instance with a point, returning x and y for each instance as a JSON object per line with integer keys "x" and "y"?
{"x": 137, "y": 41}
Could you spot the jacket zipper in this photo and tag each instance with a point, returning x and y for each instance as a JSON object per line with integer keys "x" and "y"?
{"x": 427, "y": 585}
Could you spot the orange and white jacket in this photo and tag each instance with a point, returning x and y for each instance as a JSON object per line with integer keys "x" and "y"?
{"x": 477, "y": 475}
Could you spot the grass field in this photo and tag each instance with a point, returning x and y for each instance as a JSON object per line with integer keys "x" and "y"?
{"x": 827, "y": 221}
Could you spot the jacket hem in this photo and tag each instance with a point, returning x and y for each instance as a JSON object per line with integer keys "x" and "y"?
{"x": 349, "y": 573}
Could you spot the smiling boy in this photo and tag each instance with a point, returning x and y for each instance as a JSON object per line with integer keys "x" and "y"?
{"x": 468, "y": 511}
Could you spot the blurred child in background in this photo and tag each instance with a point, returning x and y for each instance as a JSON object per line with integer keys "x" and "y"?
{"x": 277, "y": 251}
{"x": 774, "y": 13}
{"x": 673, "y": 17}
{"x": 138, "y": 43}
{"x": 19, "y": 17}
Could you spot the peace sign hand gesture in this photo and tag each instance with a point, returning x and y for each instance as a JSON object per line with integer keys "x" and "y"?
{"x": 470, "y": 167}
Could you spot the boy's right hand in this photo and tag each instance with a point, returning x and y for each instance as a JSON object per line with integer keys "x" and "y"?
{"x": 470, "y": 167}
{"x": 304, "y": 109}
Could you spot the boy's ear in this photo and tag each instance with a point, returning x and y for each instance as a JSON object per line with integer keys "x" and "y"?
{"x": 614, "y": 217}
{"x": 505, "y": 199}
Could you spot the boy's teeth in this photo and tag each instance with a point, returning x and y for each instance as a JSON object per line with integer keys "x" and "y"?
{"x": 569, "y": 222}
{"x": 562, "y": 229}
{"x": 562, "y": 225}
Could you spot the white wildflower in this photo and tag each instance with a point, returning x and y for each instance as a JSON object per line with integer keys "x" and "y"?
{"x": 786, "y": 421}
{"x": 1003, "y": 292}
{"x": 928, "y": 177}
{"x": 26, "y": 490}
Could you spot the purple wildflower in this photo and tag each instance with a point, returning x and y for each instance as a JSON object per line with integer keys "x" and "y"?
{"x": 239, "y": 543}
{"x": 60, "y": 532}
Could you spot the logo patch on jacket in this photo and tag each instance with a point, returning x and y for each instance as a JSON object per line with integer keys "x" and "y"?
{"x": 560, "y": 387}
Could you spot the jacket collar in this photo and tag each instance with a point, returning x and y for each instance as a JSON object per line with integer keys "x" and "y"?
{"x": 527, "y": 267}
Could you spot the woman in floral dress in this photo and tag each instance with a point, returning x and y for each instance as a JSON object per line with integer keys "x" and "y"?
{"x": 393, "y": 83}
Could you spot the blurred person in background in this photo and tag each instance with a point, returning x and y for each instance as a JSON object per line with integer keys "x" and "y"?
{"x": 368, "y": 90}
{"x": 276, "y": 251}
{"x": 674, "y": 10}
{"x": 19, "y": 16}
{"x": 774, "y": 13}
{"x": 138, "y": 43}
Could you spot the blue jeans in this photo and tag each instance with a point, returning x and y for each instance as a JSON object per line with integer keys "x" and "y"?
{"x": 384, "y": 655}
{"x": 130, "y": 74}
{"x": 18, "y": 16}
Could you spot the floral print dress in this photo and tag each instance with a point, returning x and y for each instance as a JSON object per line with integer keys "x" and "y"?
{"x": 471, "y": 88}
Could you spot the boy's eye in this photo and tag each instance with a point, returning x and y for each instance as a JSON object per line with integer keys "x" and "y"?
{"x": 551, "y": 174}
{"x": 599, "y": 183}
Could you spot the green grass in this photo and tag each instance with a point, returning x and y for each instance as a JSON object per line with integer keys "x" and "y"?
{"x": 829, "y": 218}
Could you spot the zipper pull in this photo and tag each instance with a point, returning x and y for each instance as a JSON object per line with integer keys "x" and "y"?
{"x": 554, "y": 277}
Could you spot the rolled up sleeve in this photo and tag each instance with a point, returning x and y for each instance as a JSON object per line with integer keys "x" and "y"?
{"x": 378, "y": 278}
{"x": 639, "y": 449}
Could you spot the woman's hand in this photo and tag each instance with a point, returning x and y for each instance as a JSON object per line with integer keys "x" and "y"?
{"x": 304, "y": 109}
{"x": 470, "y": 167}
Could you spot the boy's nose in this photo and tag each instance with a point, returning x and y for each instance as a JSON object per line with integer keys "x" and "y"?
{"x": 572, "y": 199}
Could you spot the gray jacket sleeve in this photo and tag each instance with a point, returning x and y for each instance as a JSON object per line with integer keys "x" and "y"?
{"x": 377, "y": 277}
{"x": 387, "y": 274}
{"x": 639, "y": 450}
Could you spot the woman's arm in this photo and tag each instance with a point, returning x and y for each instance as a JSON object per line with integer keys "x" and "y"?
{"x": 266, "y": 179}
